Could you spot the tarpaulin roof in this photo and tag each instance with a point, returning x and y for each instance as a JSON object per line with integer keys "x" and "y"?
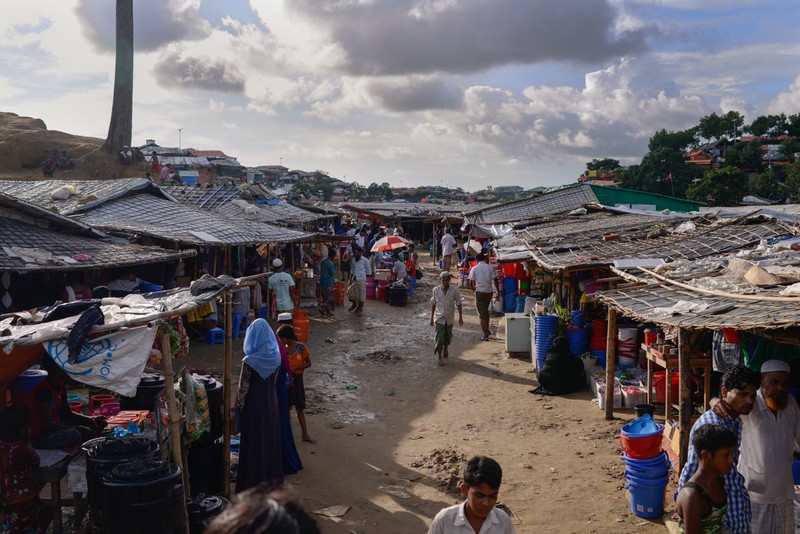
{"x": 418, "y": 210}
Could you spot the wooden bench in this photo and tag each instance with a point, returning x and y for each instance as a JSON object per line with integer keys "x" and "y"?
{"x": 53, "y": 474}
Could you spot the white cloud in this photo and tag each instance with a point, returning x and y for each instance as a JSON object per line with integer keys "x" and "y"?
{"x": 787, "y": 102}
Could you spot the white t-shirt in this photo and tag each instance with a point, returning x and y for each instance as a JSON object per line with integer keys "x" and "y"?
{"x": 483, "y": 275}
{"x": 400, "y": 270}
{"x": 280, "y": 284}
{"x": 453, "y": 520}
{"x": 448, "y": 244}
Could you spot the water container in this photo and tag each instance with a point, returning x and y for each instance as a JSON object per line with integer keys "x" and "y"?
{"x": 577, "y": 318}
{"x": 202, "y": 510}
{"x": 144, "y": 496}
{"x": 102, "y": 455}
{"x": 150, "y": 385}
{"x": 578, "y": 339}
{"x": 647, "y": 496}
{"x": 521, "y": 303}
{"x": 206, "y": 462}
{"x": 300, "y": 324}
{"x": 601, "y": 357}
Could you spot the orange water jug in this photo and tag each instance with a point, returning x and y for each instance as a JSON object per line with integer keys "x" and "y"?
{"x": 300, "y": 324}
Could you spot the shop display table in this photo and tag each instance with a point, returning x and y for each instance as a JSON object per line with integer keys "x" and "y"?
{"x": 656, "y": 357}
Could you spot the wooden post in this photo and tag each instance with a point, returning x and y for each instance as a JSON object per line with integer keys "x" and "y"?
{"x": 174, "y": 418}
{"x": 226, "y": 392}
{"x": 611, "y": 357}
{"x": 685, "y": 406}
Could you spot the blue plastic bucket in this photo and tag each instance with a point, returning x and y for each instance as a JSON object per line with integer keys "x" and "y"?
{"x": 545, "y": 333}
{"x": 577, "y": 319}
{"x": 655, "y": 462}
{"x": 647, "y": 496}
{"x": 578, "y": 340}
{"x": 510, "y": 285}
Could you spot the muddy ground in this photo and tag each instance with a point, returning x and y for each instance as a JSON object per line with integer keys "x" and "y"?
{"x": 393, "y": 428}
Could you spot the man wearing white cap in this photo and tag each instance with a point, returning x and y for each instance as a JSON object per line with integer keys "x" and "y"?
{"x": 280, "y": 282}
{"x": 770, "y": 435}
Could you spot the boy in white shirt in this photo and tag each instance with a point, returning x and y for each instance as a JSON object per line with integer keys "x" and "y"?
{"x": 477, "y": 514}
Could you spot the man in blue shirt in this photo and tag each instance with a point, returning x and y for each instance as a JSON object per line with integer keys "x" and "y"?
{"x": 327, "y": 278}
{"x": 738, "y": 392}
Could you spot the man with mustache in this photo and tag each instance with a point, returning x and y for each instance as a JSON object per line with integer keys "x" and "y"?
{"x": 771, "y": 434}
{"x": 738, "y": 392}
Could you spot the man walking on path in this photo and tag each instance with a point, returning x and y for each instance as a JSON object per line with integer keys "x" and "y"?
{"x": 444, "y": 302}
{"x": 359, "y": 270}
{"x": 280, "y": 283}
{"x": 448, "y": 248}
{"x": 482, "y": 276}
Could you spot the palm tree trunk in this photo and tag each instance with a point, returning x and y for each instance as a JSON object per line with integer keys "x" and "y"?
{"x": 119, "y": 129}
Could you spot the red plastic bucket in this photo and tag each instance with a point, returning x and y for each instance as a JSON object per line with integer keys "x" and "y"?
{"x": 660, "y": 385}
{"x": 641, "y": 448}
{"x": 76, "y": 406}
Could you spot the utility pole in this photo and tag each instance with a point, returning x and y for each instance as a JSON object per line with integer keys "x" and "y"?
{"x": 179, "y": 136}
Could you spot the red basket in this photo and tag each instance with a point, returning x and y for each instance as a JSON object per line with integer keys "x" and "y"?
{"x": 641, "y": 448}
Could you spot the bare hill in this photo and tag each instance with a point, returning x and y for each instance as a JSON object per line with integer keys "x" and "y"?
{"x": 25, "y": 142}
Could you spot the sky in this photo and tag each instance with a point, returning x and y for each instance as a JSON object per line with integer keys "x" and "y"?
{"x": 461, "y": 93}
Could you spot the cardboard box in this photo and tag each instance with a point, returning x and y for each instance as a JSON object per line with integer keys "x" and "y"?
{"x": 382, "y": 274}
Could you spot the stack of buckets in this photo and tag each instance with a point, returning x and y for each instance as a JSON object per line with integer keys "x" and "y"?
{"x": 646, "y": 466}
{"x": 513, "y": 273}
{"x": 545, "y": 332}
{"x": 597, "y": 344}
{"x": 577, "y": 334}
{"x": 627, "y": 346}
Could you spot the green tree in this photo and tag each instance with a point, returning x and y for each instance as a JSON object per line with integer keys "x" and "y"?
{"x": 653, "y": 173}
{"x": 789, "y": 148}
{"x": 720, "y": 187}
{"x": 121, "y": 124}
{"x": 793, "y": 179}
{"x": 711, "y": 127}
{"x": 605, "y": 164}
{"x": 744, "y": 155}
{"x": 760, "y": 126}
{"x": 679, "y": 141}
{"x": 764, "y": 184}
{"x": 733, "y": 124}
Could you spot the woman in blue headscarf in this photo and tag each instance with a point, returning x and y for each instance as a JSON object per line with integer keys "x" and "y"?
{"x": 260, "y": 453}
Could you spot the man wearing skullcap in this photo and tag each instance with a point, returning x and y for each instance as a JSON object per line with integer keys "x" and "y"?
{"x": 770, "y": 435}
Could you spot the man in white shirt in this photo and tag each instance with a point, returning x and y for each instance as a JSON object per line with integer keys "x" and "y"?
{"x": 280, "y": 283}
{"x": 482, "y": 276}
{"x": 359, "y": 270}
{"x": 399, "y": 269}
{"x": 448, "y": 248}
{"x": 360, "y": 236}
{"x": 477, "y": 514}
{"x": 444, "y": 301}
{"x": 770, "y": 434}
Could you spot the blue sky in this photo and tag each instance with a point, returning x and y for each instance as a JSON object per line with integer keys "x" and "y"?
{"x": 460, "y": 92}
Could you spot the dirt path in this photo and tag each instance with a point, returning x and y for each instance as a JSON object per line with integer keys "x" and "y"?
{"x": 393, "y": 429}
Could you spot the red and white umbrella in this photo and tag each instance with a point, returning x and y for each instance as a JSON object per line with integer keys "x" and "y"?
{"x": 390, "y": 242}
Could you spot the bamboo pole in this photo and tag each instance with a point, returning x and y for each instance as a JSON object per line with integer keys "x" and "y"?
{"x": 611, "y": 357}
{"x": 226, "y": 391}
{"x": 174, "y": 419}
{"x": 685, "y": 405}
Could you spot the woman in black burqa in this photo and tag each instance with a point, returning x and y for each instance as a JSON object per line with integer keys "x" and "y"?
{"x": 260, "y": 453}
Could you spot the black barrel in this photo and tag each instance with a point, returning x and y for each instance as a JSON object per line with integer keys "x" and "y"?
{"x": 149, "y": 387}
{"x": 144, "y": 497}
{"x": 396, "y": 296}
{"x": 202, "y": 510}
{"x": 103, "y": 455}
{"x": 206, "y": 463}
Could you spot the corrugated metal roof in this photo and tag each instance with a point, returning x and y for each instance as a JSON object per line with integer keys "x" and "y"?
{"x": 90, "y": 192}
{"x": 555, "y": 203}
{"x": 55, "y": 250}
{"x": 219, "y": 198}
{"x": 166, "y": 219}
{"x": 406, "y": 209}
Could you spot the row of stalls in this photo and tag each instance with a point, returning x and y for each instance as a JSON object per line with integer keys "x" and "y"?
{"x": 672, "y": 298}
{"x": 56, "y": 232}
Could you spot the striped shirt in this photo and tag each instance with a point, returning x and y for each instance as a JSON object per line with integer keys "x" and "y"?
{"x": 737, "y": 520}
